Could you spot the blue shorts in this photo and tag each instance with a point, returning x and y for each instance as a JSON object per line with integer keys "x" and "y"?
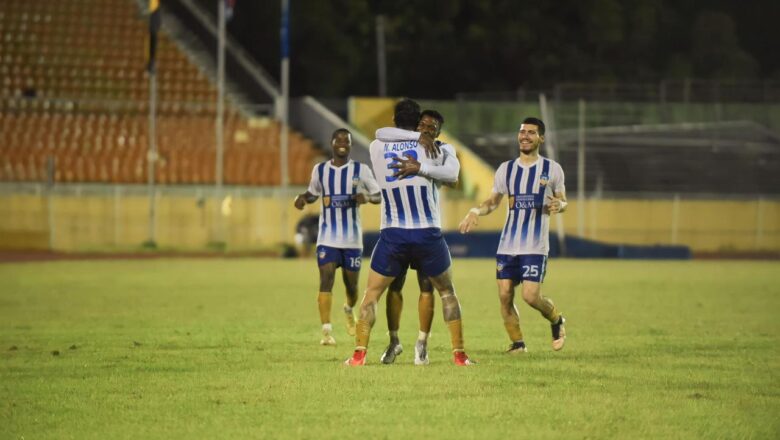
{"x": 349, "y": 259}
{"x": 423, "y": 249}
{"x": 521, "y": 268}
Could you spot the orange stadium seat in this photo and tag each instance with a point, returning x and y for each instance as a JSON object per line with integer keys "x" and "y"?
{"x": 72, "y": 90}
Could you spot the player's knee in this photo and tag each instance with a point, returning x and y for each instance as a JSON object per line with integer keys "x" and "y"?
{"x": 530, "y": 297}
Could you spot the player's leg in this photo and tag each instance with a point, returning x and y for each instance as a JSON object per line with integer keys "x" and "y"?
{"x": 510, "y": 315}
{"x": 325, "y": 300}
{"x": 385, "y": 266}
{"x": 508, "y": 274}
{"x": 350, "y": 271}
{"x": 532, "y": 294}
{"x": 425, "y": 307}
{"x": 450, "y": 307}
{"x": 395, "y": 304}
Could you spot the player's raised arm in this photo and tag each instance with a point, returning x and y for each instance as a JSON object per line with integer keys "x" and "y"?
{"x": 472, "y": 217}
{"x": 368, "y": 190}
{"x": 556, "y": 203}
{"x": 302, "y": 199}
{"x": 312, "y": 193}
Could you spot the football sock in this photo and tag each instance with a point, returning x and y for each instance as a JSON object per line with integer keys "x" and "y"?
{"x": 327, "y": 329}
{"x": 361, "y": 337}
{"x": 512, "y": 326}
{"x": 425, "y": 312}
{"x": 456, "y": 334}
{"x": 547, "y": 308}
{"x": 423, "y": 336}
{"x": 324, "y": 300}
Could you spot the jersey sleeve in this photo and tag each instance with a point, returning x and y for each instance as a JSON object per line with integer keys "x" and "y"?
{"x": 499, "y": 181}
{"x": 558, "y": 184}
{"x": 315, "y": 187}
{"x": 390, "y": 134}
{"x": 369, "y": 182}
{"x": 447, "y": 171}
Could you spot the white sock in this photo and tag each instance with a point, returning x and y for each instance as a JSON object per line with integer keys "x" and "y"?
{"x": 422, "y": 336}
{"x": 347, "y": 309}
{"x": 327, "y": 328}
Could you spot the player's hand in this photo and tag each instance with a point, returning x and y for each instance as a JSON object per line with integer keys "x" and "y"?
{"x": 553, "y": 205}
{"x": 405, "y": 166}
{"x": 300, "y": 202}
{"x": 360, "y": 198}
{"x": 432, "y": 149}
{"x": 468, "y": 223}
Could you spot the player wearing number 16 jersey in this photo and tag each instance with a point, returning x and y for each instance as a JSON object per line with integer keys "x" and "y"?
{"x": 343, "y": 185}
{"x": 411, "y": 228}
{"x": 535, "y": 187}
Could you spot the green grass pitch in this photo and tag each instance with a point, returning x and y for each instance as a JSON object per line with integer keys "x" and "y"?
{"x": 229, "y": 349}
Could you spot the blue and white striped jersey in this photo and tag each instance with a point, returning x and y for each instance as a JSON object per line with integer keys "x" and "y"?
{"x": 411, "y": 202}
{"x": 527, "y": 228}
{"x": 340, "y": 215}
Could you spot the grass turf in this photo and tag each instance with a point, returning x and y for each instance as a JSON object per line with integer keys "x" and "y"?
{"x": 229, "y": 349}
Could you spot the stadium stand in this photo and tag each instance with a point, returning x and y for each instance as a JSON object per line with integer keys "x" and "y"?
{"x": 74, "y": 93}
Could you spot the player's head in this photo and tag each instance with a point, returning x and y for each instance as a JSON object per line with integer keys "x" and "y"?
{"x": 406, "y": 114}
{"x": 531, "y": 135}
{"x": 341, "y": 143}
{"x": 430, "y": 123}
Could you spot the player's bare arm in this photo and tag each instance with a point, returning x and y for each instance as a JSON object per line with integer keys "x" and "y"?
{"x": 302, "y": 199}
{"x": 428, "y": 142}
{"x": 405, "y": 166}
{"x": 472, "y": 218}
{"x": 363, "y": 198}
{"x": 556, "y": 203}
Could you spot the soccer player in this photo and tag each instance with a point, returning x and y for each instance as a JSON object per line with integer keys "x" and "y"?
{"x": 344, "y": 185}
{"x": 430, "y": 123}
{"x": 535, "y": 186}
{"x": 410, "y": 228}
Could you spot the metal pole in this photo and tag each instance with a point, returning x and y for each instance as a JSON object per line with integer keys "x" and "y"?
{"x": 219, "y": 122}
{"x": 675, "y": 218}
{"x": 381, "y": 61}
{"x": 283, "y": 107}
{"x": 151, "y": 157}
{"x": 581, "y": 171}
{"x": 759, "y": 223}
{"x": 547, "y": 115}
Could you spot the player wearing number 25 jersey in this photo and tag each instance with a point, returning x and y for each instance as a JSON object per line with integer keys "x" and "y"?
{"x": 535, "y": 189}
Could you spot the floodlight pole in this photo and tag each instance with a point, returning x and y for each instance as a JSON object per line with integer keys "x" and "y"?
{"x": 581, "y": 170}
{"x": 381, "y": 61}
{"x": 282, "y": 108}
{"x": 151, "y": 155}
{"x": 219, "y": 122}
{"x": 549, "y": 144}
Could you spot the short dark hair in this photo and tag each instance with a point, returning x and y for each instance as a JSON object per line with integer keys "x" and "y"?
{"x": 536, "y": 121}
{"x": 435, "y": 115}
{"x": 406, "y": 114}
{"x": 339, "y": 130}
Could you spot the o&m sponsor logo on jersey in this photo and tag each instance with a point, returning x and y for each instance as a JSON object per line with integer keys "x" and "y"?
{"x": 525, "y": 201}
{"x": 543, "y": 179}
{"x": 326, "y": 201}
